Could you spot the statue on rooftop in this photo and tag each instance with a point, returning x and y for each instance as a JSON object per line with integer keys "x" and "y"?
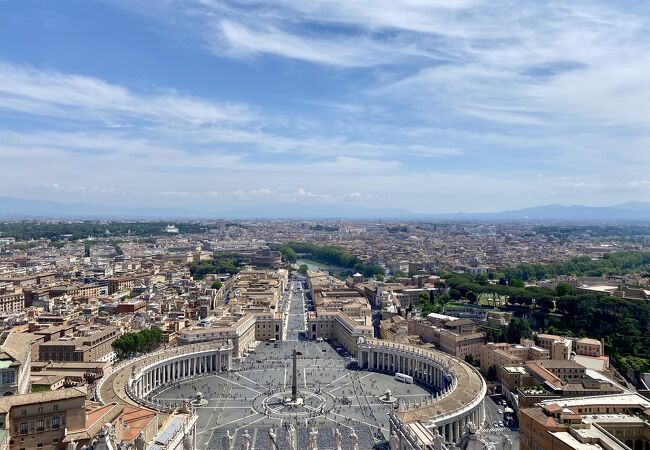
{"x": 354, "y": 440}
{"x": 313, "y": 436}
{"x": 273, "y": 440}
{"x": 140, "y": 443}
{"x": 291, "y": 437}
{"x": 393, "y": 442}
{"x": 228, "y": 441}
{"x": 337, "y": 439}
{"x": 246, "y": 441}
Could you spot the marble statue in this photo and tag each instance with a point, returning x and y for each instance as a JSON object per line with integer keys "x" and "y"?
{"x": 106, "y": 438}
{"x": 187, "y": 442}
{"x": 140, "y": 443}
{"x": 354, "y": 440}
{"x": 72, "y": 445}
{"x": 337, "y": 439}
{"x": 246, "y": 441}
{"x": 393, "y": 441}
{"x": 291, "y": 437}
{"x": 273, "y": 440}
{"x": 228, "y": 441}
{"x": 438, "y": 441}
{"x": 313, "y": 437}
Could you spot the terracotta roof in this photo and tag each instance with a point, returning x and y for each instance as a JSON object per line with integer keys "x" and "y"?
{"x": 16, "y": 344}
{"x": 95, "y": 420}
{"x": 135, "y": 420}
{"x": 6, "y": 403}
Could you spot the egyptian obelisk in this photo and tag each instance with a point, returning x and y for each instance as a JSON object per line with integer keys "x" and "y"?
{"x": 294, "y": 381}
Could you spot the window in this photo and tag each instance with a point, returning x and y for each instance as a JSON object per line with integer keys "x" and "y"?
{"x": 40, "y": 424}
{"x": 23, "y": 427}
{"x": 23, "y": 412}
{"x": 8, "y": 377}
{"x": 56, "y": 422}
{"x": 56, "y": 408}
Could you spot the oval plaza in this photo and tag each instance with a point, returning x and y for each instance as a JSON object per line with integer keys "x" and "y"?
{"x": 344, "y": 392}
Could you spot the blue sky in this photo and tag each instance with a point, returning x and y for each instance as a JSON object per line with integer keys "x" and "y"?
{"x": 425, "y": 105}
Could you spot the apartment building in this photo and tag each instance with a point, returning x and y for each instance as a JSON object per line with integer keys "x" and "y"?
{"x": 560, "y": 347}
{"x": 612, "y": 422}
{"x": 12, "y": 298}
{"x": 337, "y": 326}
{"x": 76, "y": 292}
{"x": 589, "y": 347}
{"x": 40, "y": 420}
{"x": 94, "y": 347}
{"x": 458, "y": 337}
{"x": 119, "y": 284}
{"x": 501, "y": 355}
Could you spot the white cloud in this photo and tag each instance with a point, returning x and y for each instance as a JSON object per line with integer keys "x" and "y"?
{"x": 468, "y": 87}
{"x": 28, "y": 90}
{"x": 355, "y": 51}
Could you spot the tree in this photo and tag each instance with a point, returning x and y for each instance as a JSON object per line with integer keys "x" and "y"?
{"x": 216, "y": 285}
{"x": 288, "y": 254}
{"x": 492, "y": 372}
{"x": 469, "y": 359}
{"x": 472, "y": 297}
{"x": 563, "y": 289}
{"x": 303, "y": 269}
{"x": 518, "y": 328}
{"x": 545, "y": 302}
{"x": 516, "y": 283}
{"x": 379, "y": 277}
{"x": 142, "y": 341}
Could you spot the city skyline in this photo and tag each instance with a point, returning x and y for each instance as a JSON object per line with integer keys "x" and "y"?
{"x": 430, "y": 107}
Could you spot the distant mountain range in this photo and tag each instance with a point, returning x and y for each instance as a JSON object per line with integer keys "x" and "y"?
{"x": 17, "y": 208}
{"x": 628, "y": 212}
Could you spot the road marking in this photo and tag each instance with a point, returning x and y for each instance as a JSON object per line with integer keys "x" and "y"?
{"x": 339, "y": 378}
{"x": 237, "y": 384}
{"x": 360, "y": 421}
{"x": 248, "y": 379}
{"x": 347, "y": 384}
{"x": 228, "y": 423}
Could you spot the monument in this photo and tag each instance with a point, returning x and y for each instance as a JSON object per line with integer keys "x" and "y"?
{"x": 294, "y": 400}
{"x": 198, "y": 400}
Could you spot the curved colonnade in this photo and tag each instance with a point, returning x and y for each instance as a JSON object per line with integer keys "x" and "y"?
{"x": 134, "y": 379}
{"x": 459, "y": 387}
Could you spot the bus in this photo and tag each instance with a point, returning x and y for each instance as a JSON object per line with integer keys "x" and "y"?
{"x": 404, "y": 378}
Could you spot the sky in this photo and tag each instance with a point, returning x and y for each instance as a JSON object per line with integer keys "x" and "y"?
{"x": 428, "y": 106}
